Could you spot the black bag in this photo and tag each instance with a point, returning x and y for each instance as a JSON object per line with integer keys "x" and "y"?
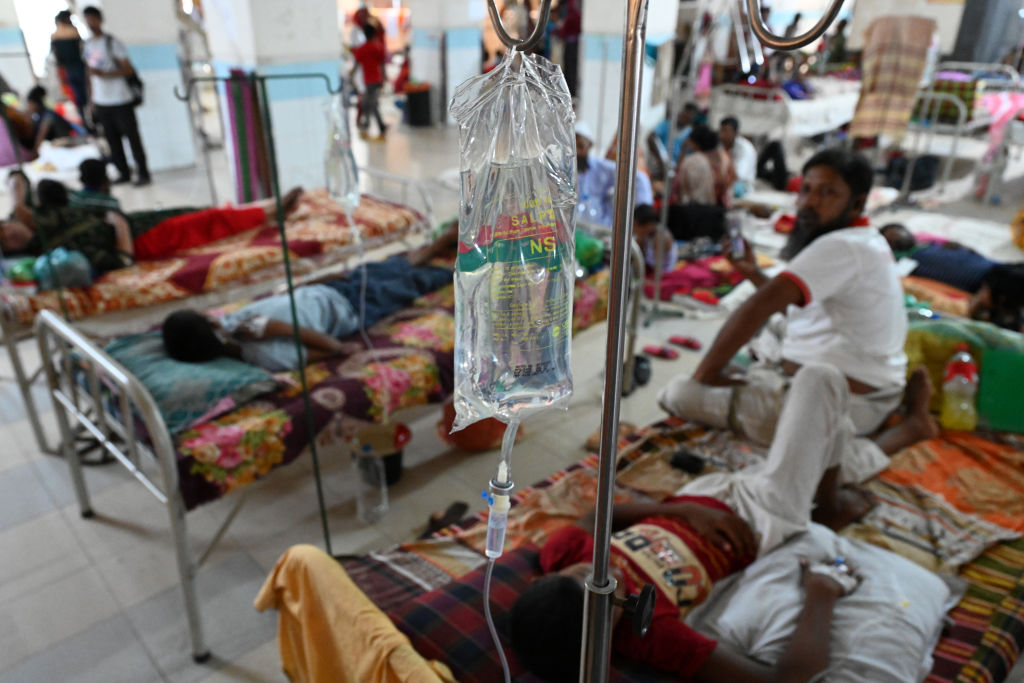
{"x": 924, "y": 175}
{"x": 690, "y": 221}
{"x": 135, "y": 84}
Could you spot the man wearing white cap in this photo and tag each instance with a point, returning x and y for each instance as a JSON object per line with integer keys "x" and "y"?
{"x": 595, "y": 182}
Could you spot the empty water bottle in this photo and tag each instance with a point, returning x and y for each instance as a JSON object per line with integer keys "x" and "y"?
{"x": 372, "y": 494}
{"x": 959, "y": 388}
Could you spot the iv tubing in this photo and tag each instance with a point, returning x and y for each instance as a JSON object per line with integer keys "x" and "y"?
{"x": 490, "y": 621}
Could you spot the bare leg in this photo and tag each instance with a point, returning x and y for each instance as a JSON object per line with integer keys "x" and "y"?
{"x": 444, "y": 244}
{"x": 836, "y": 506}
{"x": 19, "y": 187}
{"x": 122, "y": 233}
{"x": 919, "y": 424}
{"x": 288, "y": 202}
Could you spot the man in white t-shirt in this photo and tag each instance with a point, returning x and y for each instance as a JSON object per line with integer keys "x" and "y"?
{"x": 844, "y": 319}
{"x": 741, "y": 151}
{"x": 108, "y": 66}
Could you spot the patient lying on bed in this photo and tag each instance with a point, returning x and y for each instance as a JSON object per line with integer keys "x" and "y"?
{"x": 328, "y": 310}
{"x": 997, "y": 289}
{"x": 715, "y": 527}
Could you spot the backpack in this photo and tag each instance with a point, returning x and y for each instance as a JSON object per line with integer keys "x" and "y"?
{"x": 135, "y": 84}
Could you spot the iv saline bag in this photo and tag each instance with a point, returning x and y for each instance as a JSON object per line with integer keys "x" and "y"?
{"x": 339, "y": 164}
{"x": 516, "y": 264}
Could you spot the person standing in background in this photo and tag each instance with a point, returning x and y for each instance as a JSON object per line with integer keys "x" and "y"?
{"x": 370, "y": 56}
{"x": 569, "y": 31}
{"x": 66, "y": 46}
{"x": 108, "y": 67}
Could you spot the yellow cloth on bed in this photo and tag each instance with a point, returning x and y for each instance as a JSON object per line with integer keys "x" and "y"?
{"x": 330, "y": 632}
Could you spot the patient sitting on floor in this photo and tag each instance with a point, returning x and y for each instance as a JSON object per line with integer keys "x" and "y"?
{"x": 713, "y": 528}
{"x": 329, "y": 309}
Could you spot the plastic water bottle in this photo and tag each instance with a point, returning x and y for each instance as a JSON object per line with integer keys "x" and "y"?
{"x": 958, "y": 391}
{"x": 372, "y": 496}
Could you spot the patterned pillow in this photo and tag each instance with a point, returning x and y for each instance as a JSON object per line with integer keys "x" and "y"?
{"x": 186, "y": 392}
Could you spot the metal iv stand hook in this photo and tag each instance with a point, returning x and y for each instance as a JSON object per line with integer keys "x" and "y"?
{"x": 518, "y": 43}
{"x": 769, "y": 39}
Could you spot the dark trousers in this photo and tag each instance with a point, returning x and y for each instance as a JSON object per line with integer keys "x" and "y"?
{"x": 118, "y": 123}
{"x": 771, "y": 165}
{"x": 391, "y": 285}
{"x": 371, "y": 105}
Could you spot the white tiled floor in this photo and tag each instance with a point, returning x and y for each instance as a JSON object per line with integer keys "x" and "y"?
{"x": 98, "y": 600}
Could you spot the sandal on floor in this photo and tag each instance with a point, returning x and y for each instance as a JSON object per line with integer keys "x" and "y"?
{"x": 454, "y": 513}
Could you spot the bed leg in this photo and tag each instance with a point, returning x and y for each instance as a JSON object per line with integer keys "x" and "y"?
{"x": 187, "y": 572}
{"x": 67, "y": 446}
{"x": 25, "y": 387}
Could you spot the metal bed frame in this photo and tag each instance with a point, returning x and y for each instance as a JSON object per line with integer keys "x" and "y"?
{"x": 96, "y": 397}
{"x": 68, "y": 355}
{"x": 724, "y": 95}
{"x": 139, "y": 319}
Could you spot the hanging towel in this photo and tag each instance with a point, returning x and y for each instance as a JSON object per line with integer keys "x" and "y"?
{"x": 895, "y": 56}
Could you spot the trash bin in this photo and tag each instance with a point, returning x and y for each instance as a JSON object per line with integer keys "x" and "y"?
{"x": 417, "y": 104}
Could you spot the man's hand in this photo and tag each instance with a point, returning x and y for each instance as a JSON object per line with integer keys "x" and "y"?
{"x": 745, "y": 264}
{"x": 830, "y": 579}
{"x": 725, "y": 529}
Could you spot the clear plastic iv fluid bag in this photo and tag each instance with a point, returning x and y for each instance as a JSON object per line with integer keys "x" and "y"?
{"x": 515, "y": 268}
{"x": 339, "y": 164}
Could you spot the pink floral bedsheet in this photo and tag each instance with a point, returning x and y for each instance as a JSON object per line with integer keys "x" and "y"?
{"x": 411, "y": 364}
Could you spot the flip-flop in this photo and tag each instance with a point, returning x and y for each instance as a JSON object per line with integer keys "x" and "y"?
{"x": 686, "y": 342}
{"x": 437, "y": 521}
{"x": 661, "y": 352}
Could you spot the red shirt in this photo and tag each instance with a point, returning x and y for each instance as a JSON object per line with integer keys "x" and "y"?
{"x": 371, "y": 56}
{"x": 670, "y": 645}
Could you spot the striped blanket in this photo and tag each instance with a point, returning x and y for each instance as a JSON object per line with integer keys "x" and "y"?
{"x": 893, "y": 63}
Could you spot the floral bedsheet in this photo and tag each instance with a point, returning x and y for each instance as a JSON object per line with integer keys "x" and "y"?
{"x": 411, "y": 364}
{"x": 316, "y": 231}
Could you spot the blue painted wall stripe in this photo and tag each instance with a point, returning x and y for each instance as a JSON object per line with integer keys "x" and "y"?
{"x": 10, "y": 36}
{"x": 154, "y": 57}
{"x": 462, "y": 38}
{"x": 598, "y": 46}
{"x": 423, "y": 39}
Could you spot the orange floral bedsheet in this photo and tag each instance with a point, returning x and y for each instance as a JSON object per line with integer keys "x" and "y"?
{"x": 317, "y": 229}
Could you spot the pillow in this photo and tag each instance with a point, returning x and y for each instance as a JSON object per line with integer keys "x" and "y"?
{"x": 186, "y": 392}
{"x": 883, "y": 632}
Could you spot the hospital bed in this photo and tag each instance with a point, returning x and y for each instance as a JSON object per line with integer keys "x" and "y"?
{"x": 431, "y": 590}
{"x": 410, "y": 364}
{"x": 772, "y": 112}
{"x": 241, "y": 266}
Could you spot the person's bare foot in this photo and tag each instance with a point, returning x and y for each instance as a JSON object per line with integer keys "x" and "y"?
{"x": 290, "y": 201}
{"x": 848, "y": 505}
{"x": 919, "y": 401}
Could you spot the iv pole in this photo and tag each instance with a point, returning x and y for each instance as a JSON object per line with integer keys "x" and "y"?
{"x": 600, "y": 585}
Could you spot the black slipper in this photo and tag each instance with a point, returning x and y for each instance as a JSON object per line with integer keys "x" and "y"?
{"x": 454, "y": 513}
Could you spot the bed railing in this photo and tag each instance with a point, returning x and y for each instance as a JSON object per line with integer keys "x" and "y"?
{"x": 406, "y": 186}
{"x": 95, "y": 397}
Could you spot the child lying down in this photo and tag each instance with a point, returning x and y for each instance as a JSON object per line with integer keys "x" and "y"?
{"x": 261, "y": 333}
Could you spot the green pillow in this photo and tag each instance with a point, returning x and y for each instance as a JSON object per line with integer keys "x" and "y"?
{"x": 185, "y": 392}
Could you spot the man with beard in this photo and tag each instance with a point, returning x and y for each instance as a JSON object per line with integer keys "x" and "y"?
{"x": 844, "y": 320}
{"x": 595, "y": 182}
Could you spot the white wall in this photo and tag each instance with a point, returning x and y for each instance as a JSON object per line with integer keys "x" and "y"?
{"x": 229, "y": 31}
{"x": 604, "y": 26}
{"x": 947, "y": 15}
{"x": 295, "y": 32}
